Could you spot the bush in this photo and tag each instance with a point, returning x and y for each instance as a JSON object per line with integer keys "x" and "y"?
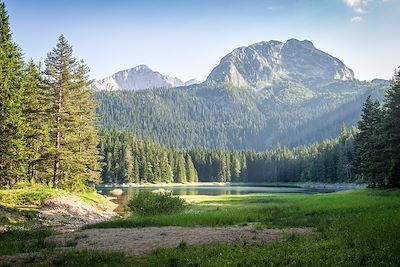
{"x": 148, "y": 203}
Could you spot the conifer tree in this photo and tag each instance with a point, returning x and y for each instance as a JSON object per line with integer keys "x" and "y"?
{"x": 12, "y": 121}
{"x": 37, "y": 109}
{"x": 181, "y": 176}
{"x": 191, "y": 172}
{"x": 370, "y": 161}
{"x": 135, "y": 178}
{"x": 235, "y": 168}
{"x": 166, "y": 170}
{"x": 392, "y": 127}
{"x": 127, "y": 169}
{"x": 75, "y": 155}
{"x": 343, "y": 171}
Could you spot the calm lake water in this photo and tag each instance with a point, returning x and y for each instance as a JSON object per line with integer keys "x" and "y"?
{"x": 129, "y": 192}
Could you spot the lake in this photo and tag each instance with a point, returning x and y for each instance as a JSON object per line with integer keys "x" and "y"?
{"x": 210, "y": 190}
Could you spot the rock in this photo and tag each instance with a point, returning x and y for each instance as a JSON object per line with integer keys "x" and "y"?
{"x": 116, "y": 192}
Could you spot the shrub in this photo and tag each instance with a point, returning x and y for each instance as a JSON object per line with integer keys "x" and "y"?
{"x": 148, "y": 203}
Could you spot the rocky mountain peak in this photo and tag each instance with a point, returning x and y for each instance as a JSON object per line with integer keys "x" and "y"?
{"x": 262, "y": 64}
{"x": 138, "y": 78}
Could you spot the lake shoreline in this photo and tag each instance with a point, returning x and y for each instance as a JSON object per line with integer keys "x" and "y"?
{"x": 334, "y": 186}
{"x": 306, "y": 185}
{"x": 134, "y": 185}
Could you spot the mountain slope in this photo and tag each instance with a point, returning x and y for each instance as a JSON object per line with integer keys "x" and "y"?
{"x": 138, "y": 78}
{"x": 234, "y": 118}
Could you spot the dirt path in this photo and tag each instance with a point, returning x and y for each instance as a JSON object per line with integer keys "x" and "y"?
{"x": 140, "y": 241}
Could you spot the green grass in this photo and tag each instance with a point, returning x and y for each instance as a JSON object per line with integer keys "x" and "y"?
{"x": 358, "y": 228}
{"x": 83, "y": 258}
{"x": 37, "y": 195}
{"x": 273, "y": 211}
{"x": 92, "y": 197}
{"x": 34, "y": 196}
{"x": 75, "y": 259}
{"x": 24, "y": 241}
{"x": 363, "y": 240}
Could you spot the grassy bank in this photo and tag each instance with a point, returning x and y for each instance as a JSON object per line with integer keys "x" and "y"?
{"x": 274, "y": 211}
{"x": 357, "y": 228}
{"x": 353, "y": 228}
{"x": 37, "y": 196}
{"x": 30, "y": 196}
{"x": 23, "y": 230}
{"x": 21, "y": 209}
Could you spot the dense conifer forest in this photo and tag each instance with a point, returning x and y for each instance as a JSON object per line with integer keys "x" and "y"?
{"x": 130, "y": 159}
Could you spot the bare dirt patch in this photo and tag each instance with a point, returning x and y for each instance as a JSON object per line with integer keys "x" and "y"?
{"x": 67, "y": 213}
{"x": 140, "y": 241}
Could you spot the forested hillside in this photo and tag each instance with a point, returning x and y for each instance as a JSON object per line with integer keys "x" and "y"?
{"x": 222, "y": 116}
{"x": 130, "y": 159}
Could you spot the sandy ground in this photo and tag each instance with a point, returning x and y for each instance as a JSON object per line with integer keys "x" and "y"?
{"x": 67, "y": 213}
{"x": 63, "y": 213}
{"x": 140, "y": 241}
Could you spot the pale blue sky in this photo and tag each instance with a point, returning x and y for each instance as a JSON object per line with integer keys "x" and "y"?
{"x": 187, "y": 39}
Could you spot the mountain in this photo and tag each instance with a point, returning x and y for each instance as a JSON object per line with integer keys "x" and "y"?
{"x": 259, "y": 96}
{"x": 262, "y": 64}
{"x": 138, "y": 78}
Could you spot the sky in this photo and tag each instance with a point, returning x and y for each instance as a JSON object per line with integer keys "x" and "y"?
{"x": 187, "y": 38}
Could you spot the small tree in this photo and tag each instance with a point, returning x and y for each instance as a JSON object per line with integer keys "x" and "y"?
{"x": 149, "y": 203}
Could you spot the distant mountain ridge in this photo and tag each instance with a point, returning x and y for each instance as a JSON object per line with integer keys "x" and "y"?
{"x": 262, "y": 64}
{"x": 138, "y": 78}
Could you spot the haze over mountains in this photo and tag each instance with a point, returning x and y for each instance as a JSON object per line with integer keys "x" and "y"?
{"x": 138, "y": 78}
{"x": 258, "y": 96}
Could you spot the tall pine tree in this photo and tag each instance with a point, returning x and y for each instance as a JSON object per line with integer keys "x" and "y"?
{"x": 12, "y": 121}
{"x": 75, "y": 155}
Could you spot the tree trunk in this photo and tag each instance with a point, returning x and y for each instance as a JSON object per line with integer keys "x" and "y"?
{"x": 58, "y": 139}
